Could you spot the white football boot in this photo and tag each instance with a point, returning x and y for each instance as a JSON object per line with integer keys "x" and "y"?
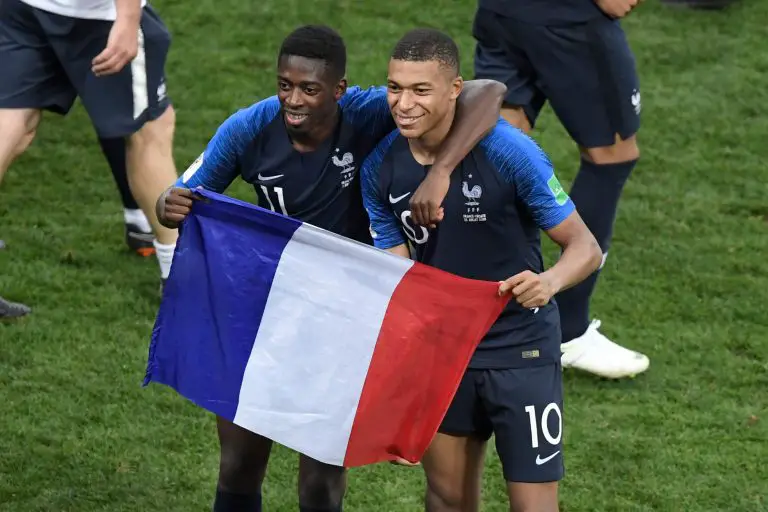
{"x": 594, "y": 353}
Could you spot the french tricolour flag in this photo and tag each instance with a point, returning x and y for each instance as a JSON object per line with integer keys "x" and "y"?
{"x": 340, "y": 351}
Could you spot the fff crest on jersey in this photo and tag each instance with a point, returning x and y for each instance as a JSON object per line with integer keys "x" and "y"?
{"x": 473, "y": 195}
{"x": 346, "y": 165}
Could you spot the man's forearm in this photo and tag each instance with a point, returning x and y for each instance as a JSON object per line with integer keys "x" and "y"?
{"x": 400, "y": 250}
{"x": 128, "y": 10}
{"x": 579, "y": 260}
{"x": 477, "y": 112}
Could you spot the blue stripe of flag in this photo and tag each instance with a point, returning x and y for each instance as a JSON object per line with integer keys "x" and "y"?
{"x": 214, "y": 299}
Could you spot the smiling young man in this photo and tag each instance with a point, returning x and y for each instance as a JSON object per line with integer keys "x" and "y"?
{"x": 499, "y": 198}
{"x": 301, "y": 150}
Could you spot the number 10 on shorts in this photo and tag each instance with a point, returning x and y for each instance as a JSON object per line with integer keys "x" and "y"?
{"x": 533, "y": 419}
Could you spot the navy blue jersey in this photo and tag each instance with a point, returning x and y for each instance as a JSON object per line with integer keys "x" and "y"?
{"x": 545, "y": 12}
{"x": 500, "y": 197}
{"x": 319, "y": 187}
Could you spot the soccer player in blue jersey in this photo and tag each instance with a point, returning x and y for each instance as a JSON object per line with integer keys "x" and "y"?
{"x": 499, "y": 198}
{"x": 574, "y": 54}
{"x": 301, "y": 151}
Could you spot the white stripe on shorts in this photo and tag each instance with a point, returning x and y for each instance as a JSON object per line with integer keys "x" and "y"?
{"x": 139, "y": 79}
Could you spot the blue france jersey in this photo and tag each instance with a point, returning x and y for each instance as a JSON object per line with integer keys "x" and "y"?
{"x": 320, "y": 187}
{"x": 500, "y": 197}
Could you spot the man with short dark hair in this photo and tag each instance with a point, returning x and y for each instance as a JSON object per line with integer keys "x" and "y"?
{"x": 499, "y": 198}
{"x": 301, "y": 151}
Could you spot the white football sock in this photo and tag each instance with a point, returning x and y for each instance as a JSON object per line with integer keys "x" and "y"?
{"x": 138, "y": 219}
{"x": 164, "y": 257}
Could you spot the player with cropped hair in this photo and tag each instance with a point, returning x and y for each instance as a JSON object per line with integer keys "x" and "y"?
{"x": 499, "y": 199}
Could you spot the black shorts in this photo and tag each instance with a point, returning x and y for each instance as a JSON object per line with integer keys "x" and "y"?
{"x": 586, "y": 70}
{"x": 523, "y": 408}
{"x": 46, "y": 59}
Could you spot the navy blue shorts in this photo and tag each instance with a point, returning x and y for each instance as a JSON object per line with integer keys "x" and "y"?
{"x": 46, "y": 59}
{"x": 586, "y": 70}
{"x": 522, "y": 408}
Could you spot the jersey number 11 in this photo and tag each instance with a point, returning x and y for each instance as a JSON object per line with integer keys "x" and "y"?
{"x": 280, "y": 199}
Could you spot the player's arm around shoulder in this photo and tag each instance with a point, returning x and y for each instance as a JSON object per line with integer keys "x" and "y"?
{"x": 219, "y": 164}
{"x": 477, "y": 109}
{"x": 522, "y": 163}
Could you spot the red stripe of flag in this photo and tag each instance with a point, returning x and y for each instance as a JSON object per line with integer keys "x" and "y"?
{"x": 432, "y": 326}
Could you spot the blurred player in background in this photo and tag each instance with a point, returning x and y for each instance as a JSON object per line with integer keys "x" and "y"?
{"x": 574, "y": 54}
{"x": 138, "y": 231}
{"x": 499, "y": 199}
{"x": 110, "y": 53}
{"x": 301, "y": 151}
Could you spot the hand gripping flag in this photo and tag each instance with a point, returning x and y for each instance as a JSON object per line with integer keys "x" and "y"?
{"x": 333, "y": 348}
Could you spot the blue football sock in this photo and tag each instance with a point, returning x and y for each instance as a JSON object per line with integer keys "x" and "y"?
{"x": 595, "y": 192}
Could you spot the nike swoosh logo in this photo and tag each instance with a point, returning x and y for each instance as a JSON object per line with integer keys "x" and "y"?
{"x": 394, "y": 200}
{"x": 269, "y": 178}
{"x": 540, "y": 461}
